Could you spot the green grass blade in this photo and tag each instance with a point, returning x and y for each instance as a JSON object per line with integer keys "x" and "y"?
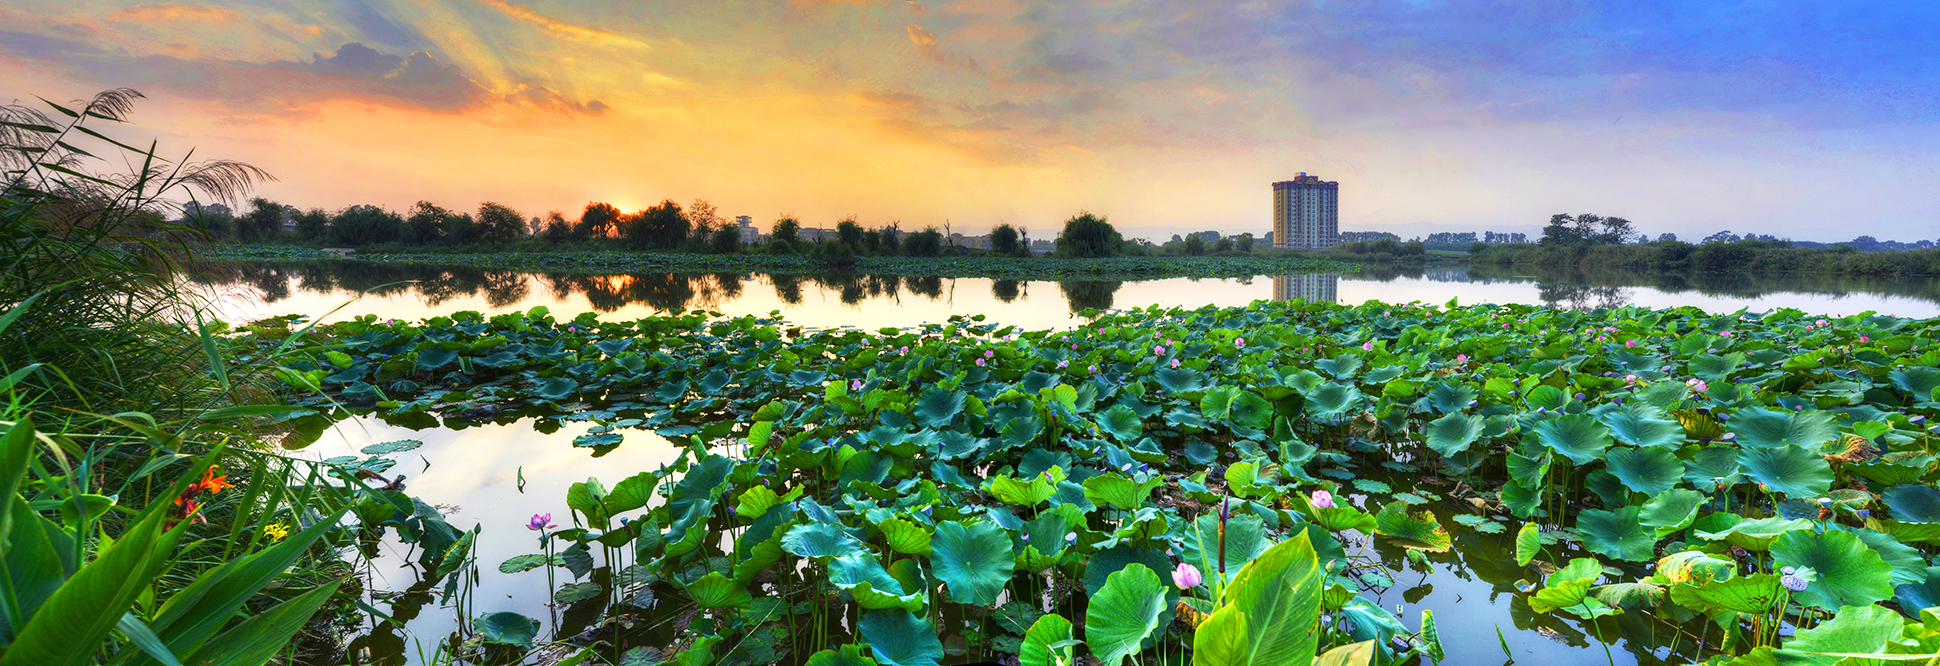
{"x": 257, "y": 639}
{"x": 139, "y": 634}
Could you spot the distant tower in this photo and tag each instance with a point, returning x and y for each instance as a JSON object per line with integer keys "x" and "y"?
{"x": 1306, "y": 212}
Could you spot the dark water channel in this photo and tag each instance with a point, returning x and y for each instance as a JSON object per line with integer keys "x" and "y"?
{"x": 496, "y": 473}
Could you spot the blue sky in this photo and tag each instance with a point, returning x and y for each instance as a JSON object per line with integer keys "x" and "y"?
{"x": 1808, "y": 120}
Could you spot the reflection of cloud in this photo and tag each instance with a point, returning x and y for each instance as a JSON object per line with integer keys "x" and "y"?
{"x": 562, "y": 29}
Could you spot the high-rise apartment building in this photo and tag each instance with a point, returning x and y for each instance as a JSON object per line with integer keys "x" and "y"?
{"x": 1306, "y": 212}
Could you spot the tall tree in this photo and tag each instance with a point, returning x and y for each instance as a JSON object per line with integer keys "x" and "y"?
{"x": 427, "y": 223}
{"x": 365, "y": 225}
{"x": 1004, "y": 240}
{"x": 704, "y": 218}
{"x": 849, "y": 232}
{"x": 557, "y": 227}
{"x": 498, "y": 223}
{"x": 663, "y": 226}
{"x": 263, "y": 221}
{"x": 312, "y": 225}
{"x": 599, "y": 220}
{"x": 1088, "y": 235}
{"x": 787, "y": 230}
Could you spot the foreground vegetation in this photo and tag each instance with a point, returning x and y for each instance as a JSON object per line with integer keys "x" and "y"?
{"x": 1730, "y": 477}
{"x": 144, "y": 522}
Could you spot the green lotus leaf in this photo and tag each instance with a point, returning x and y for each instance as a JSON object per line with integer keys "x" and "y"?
{"x": 1788, "y": 469}
{"x": 716, "y": 590}
{"x": 1913, "y": 502}
{"x": 1758, "y": 427}
{"x": 576, "y": 592}
{"x": 1338, "y": 518}
{"x": 556, "y": 388}
{"x": 1121, "y": 423}
{"x": 1450, "y": 398}
{"x": 1908, "y": 565}
{"x": 1616, "y": 534}
{"x": 819, "y": 540}
{"x": 1866, "y": 629}
{"x": 1714, "y": 368}
{"x": 1272, "y": 608}
{"x": 1756, "y": 534}
{"x": 849, "y": 655}
{"x": 1694, "y": 567}
{"x": 1887, "y": 472}
{"x": 520, "y": 563}
{"x": 1120, "y": 491}
{"x": 1108, "y": 561}
{"x": 1922, "y": 594}
{"x": 1245, "y": 540}
{"x": 398, "y": 446}
{"x": 1031, "y": 493}
{"x": 1453, "y": 433}
{"x": 898, "y": 638}
{"x": 1331, "y": 401}
{"x": 1547, "y": 397}
{"x": 1641, "y": 431}
{"x": 1341, "y": 367}
{"x": 1218, "y": 401}
{"x": 1648, "y": 471}
{"x": 1712, "y": 467}
{"x": 1671, "y": 510}
{"x": 432, "y": 358}
{"x": 506, "y": 628}
{"x": 1529, "y": 542}
{"x": 757, "y": 500}
{"x": 873, "y": 588}
{"x": 1181, "y": 380}
{"x": 1580, "y": 568}
{"x": 1850, "y": 574}
{"x": 938, "y": 407}
{"x": 1579, "y": 437}
{"x": 1630, "y": 595}
{"x": 1559, "y": 594}
{"x": 1920, "y": 382}
{"x": 1752, "y": 594}
{"x": 1521, "y": 500}
{"x": 1419, "y": 530}
{"x": 905, "y": 536}
{"x": 973, "y": 560}
{"x": 1124, "y": 613}
{"x": 1905, "y": 531}
{"x": 1045, "y": 643}
{"x": 1252, "y": 411}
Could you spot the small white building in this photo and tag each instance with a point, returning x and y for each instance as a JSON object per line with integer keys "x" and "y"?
{"x": 749, "y": 234}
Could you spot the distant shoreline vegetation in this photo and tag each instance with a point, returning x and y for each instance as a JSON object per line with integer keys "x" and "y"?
{"x": 607, "y": 262}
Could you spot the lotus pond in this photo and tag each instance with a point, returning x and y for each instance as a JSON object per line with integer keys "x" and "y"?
{"x": 1376, "y": 483}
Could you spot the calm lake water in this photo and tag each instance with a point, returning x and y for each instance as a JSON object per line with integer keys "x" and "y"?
{"x": 496, "y": 474}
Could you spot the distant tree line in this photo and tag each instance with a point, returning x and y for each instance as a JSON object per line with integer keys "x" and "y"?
{"x": 667, "y": 226}
{"x": 1590, "y": 240}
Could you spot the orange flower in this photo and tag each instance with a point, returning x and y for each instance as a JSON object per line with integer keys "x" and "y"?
{"x": 214, "y": 484}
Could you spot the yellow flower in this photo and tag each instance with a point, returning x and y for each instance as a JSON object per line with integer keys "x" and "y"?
{"x": 277, "y": 531}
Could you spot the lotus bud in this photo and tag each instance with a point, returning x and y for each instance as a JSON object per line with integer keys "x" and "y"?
{"x": 1323, "y": 499}
{"x": 1186, "y": 576}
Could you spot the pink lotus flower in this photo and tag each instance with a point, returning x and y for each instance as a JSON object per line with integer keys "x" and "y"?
{"x": 1726, "y": 334}
{"x": 1158, "y": 350}
{"x": 539, "y": 522}
{"x": 979, "y": 363}
{"x": 1239, "y": 342}
{"x": 855, "y": 385}
{"x": 1063, "y": 364}
{"x": 1461, "y": 358}
{"x": 1369, "y": 346}
{"x": 989, "y": 353}
{"x": 1092, "y": 369}
{"x": 1323, "y": 499}
{"x": 1175, "y": 363}
{"x": 1865, "y": 339}
{"x": 1186, "y": 576}
{"x": 1630, "y": 343}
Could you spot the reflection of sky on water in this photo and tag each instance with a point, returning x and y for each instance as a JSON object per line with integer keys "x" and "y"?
{"x": 475, "y": 469}
{"x": 472, "y": 474}
{"x": 872, "y": 302}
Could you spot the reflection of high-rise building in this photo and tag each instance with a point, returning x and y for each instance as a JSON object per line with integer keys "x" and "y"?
{"x": 1314, "y": 287}
{"x": 1305, "y": 212}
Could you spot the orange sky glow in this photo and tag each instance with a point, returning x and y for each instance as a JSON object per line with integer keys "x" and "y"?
{"x": 1165, "y": 116}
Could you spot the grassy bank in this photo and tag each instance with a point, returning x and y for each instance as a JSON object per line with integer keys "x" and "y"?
{"x": 1748, "y": 256}
{"x": 608, "y": 262}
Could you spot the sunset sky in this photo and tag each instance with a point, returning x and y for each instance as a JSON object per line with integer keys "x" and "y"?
{"x": 1813, "y": 120}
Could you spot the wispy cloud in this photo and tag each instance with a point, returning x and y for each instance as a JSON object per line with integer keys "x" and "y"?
{"x": 168, "y": 12}
{"x": 562, "y": 29}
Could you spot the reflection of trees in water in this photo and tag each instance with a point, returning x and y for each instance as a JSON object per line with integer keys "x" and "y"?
{"x": 788, "y": 288}
{"x": 1004, "y": 290}
{"x": 660, "y": 291}
{"x": 930, "y": 287}
{"x": 500, "y": 289}
{"x": 1581, "y": 296}
{"x": 1566, "y": 282}
{"x": 1089, "y": 294}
